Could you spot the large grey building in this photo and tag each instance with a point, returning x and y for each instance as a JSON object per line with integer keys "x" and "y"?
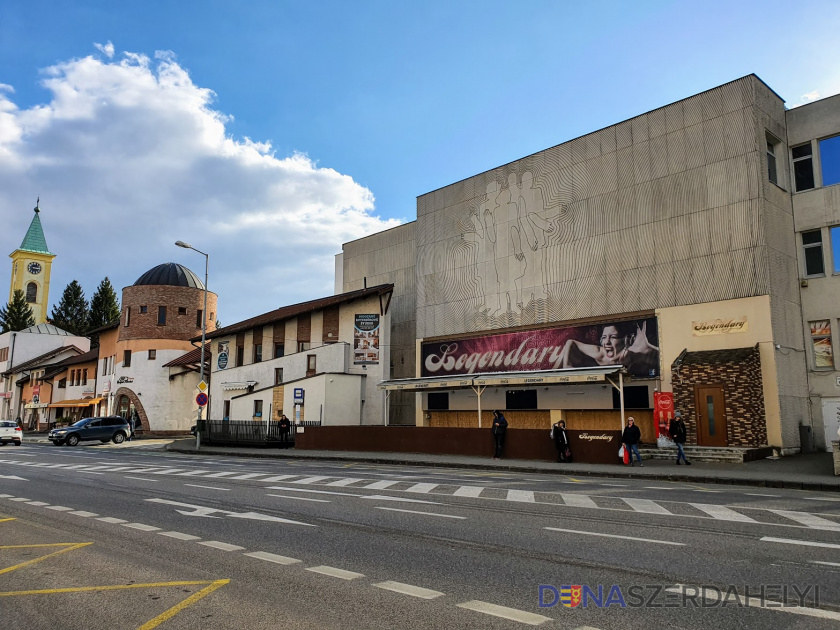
{"x": 667, "y": 243}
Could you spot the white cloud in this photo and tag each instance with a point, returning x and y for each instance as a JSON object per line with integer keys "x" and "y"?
{"x": 106, "y": 49}
{"x": 129, "y": 156}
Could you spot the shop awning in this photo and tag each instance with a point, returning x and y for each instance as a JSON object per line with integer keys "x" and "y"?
{"x": 83, "y": 402}
{"x": 542, "y": 377}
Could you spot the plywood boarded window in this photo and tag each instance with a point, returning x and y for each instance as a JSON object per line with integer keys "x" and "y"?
{"x": 330, "y": 334}
{"x": 304, "y": 327}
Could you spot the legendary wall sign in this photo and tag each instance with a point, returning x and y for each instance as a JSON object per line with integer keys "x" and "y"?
{"x": 633, "y": 344}
{"x": 719, "y": 327}
{"x": 125, "y": 379}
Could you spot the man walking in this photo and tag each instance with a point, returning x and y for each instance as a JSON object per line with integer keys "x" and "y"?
{"x": 500, "y": 424}
{"x": 678, "y": 432}
{"x": 630, "y": 438}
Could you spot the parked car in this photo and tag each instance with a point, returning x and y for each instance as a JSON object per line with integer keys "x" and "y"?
{"x": 10, "y": 432}
{"x": 108, "y": 429}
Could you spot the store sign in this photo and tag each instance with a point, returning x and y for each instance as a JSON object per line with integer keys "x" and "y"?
{"x": 366, "y": 339}
{"x": 633, "y": 344}
{"x": 125, "y": 379}
{"x": 663, "y": 410}
{"x": 719, "y": 327}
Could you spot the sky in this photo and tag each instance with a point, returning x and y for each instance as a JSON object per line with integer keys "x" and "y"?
{"x": 269, "y": 132}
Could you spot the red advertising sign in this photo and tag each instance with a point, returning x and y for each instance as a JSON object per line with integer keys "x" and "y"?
{"x": 633, "y": 344}
{"x": 663, "y": 409}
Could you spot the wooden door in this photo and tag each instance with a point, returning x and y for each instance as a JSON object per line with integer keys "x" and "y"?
{"x": 711, "y": 416}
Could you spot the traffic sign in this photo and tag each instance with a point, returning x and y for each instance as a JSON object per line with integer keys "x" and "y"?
{"x": 202, "y": 386}
{"x": 201, "y": 399}
{"x": 298, "y": 396}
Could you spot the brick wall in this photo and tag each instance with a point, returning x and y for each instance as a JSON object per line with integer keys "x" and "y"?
{"x": 738, "y": 371}
{"x": 181, "y": 327}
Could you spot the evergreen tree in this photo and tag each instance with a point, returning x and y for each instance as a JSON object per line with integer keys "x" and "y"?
{"x": 104, "y": 308}
{"x": 17, "y": 315}
{"x": 71, "y": 314}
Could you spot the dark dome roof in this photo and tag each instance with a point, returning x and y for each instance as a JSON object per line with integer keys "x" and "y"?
{"x": 170, "y": 274}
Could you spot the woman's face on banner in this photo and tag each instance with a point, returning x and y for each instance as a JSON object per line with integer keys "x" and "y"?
{"x": 612, "y": 342}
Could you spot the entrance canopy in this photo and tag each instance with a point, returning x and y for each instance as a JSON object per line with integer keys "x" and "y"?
{"x": 83, "y": 402}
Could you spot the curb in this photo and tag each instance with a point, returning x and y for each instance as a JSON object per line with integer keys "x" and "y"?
{"x": 730, "y": 481}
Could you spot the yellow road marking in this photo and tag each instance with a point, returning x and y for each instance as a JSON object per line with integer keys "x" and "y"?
{"x": 192, "y": 599}
{"x": 49, "y": 555}
{"x": 115, "y": 587}
{"x": 3, "y": 520}
{"x": 40, "y": 545}
{"x": 575, "y": 480}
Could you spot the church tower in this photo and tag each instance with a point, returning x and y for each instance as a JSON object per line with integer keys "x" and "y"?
{"x": 31, "y": 265}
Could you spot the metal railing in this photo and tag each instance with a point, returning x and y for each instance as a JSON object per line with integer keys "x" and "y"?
{"x": 250, "y": 433}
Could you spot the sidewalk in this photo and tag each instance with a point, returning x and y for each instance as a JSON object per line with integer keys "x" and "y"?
{"x": 802, "y": 472}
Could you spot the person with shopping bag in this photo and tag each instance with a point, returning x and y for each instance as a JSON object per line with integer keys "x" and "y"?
{"x": 630, "y": 438}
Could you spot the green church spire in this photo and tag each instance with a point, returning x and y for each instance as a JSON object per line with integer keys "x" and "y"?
{"x": 34, "y": 240}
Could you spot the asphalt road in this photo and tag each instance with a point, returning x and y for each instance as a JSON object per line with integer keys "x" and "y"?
{"x": 180, "y": 541}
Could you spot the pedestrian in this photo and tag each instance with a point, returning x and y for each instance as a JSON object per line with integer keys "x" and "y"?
{"x": 561, "y": 441}
{"x": 677, "y": 431}
{"x": 630, "y": 438}
{"x": 500, "y": 424}
{"x": 284, "y": 430}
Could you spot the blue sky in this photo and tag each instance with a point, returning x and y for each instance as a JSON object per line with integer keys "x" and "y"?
{"x": 365, "y": 106}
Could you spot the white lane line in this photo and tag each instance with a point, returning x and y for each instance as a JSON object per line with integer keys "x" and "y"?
{"x": 169, "y": 471}
{"x": 83, "y": 514}
{"x": 37, "y": 503}
{"x": 308, "y": 480}
{"x": 283, "y": 496}
{"x": 344, "y": 482}
{"x": 615, "y": 485}
{"x": 574, "y": 531}
{"x": 754, "y": 602}
{"x": 340, "y": 494}
{"x": 248, "y": 476}
{"x": 20, "y": 499}
{"x": 524, "y": 496}
{"x": 193, "y": 473}
{"x": 704, "y": 490}
{"x": 822, "y": 499}
{"x": 112, "y": 520}
{"x": 380, "y": 485}
{"x": 578, "y": 500}
{"x": 804, "y": 543}
{"x": 757, "y": 494}
{"x": 722, "y": 513}
{"x": 504, "y": 612}
{"x": 141, "y": 527}
{"x": 142, "y": 479}
{"x": 809, "y": 520}
{"x": 337, "y": 573}
{"x": 222, "y": 474}
{"x": 221, "y": 545}
{"x": 646, "y": 506}
{"x": 659, "y": 488}
{"x": 6, "y": 496}
{"x": 462, "y": 518}
{"x": 422, "y": 488}
{"x": 383, "y": 497}
{"x": 59, "y": 508}
{"x": 180, "y": 536}
{"x": 409, "y": 589}
{"x": 97, "y": 468}
{"x": 277, "y": 478}
{"x": 271, "y": 557}
{"x": 195, "y": 485}
{"x": 468, "y": 491}
{"x": 90, "y": 472}
{"x": 827, "y": 564}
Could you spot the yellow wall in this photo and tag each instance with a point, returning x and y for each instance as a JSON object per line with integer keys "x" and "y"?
{"x": 21, "y": 277}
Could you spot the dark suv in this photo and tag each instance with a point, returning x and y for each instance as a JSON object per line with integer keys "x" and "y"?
{"x": 111, "y": 428}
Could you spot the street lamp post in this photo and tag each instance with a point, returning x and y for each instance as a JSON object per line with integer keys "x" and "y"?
{"x": 203, "y": 333}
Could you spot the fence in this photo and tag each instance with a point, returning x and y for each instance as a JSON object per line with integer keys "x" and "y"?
{"x": 250, "y": 433}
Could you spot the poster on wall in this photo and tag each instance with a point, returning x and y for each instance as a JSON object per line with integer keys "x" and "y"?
{"x": 366, "y": 339}
{"x": 633, "y": 344}
{"x": 223, "y": 349}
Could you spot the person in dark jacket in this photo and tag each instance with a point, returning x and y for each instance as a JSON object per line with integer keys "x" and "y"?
{"x": 630, "y": 438}
{"x": 285, "y": 427}
{"x": 678, "y": 432}
{"x": 500, "y": 424}
{"x": 561, "y": 439}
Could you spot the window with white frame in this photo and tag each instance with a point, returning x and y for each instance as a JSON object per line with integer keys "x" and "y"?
{"x": 812, "y": 249}
{"x": 772, "y": 165}
{"x": 803, "y": 167}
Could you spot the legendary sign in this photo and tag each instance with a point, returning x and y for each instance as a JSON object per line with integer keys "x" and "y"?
{"x": 125, "y": 379}
{"x": 633, "y": 344}
{"x": 719, "y": 327}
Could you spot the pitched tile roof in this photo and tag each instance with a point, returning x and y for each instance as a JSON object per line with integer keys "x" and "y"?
{"x": 37, "y": 361}
{"x": 190, "y": 358}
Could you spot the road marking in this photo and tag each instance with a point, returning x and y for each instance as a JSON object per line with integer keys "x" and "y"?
{"x": 60, "y": 508}
{"x": 6, "y": 496}
{"x": 380, "y": 485}
{"x": 827, "y": 564}
{"x": 271, "y": 557}
{"x": 112, "y": 520}
{"x": 578, "y": 500}
{"x": 222, "y": 474}
{"x": 221, "y": 545}
{"x": 37, "y": 503}
{"x": 340, "y": 494}
{"x": 180, "y": 536}
{"x": 805, "y": 543}
{"x": 646, "y": 506}
{"x": 308, "y": 480}
{"x": 822, "y": 499}
{"x": 468, "y": 491}
{"x": 574, "y": 531}
{"x": 337, "y": 573}
{"x": 345, "y": 482}
{"x": 756, "y": 494}
{"x": 409, "y": 589}
{"x": 755, "y": 602}
{"x": 141, "y": 527}
{"x": 524, "y": 496}
{"x": 195, "y": 485}
{"x": 193, "y": 473}
{"x": 83, "y": 514}
{"x": 809, "y": 520}
{"x": 278, "y": 478}
{"x": 67, "y": 547}
{"x": 659, "y": 488}
{"x": 283, "y": 496}
{"x": 90, "y": 472}
{"x": 424, "y": 513}
{"x": 383, "y": 497}
{"x": 209, "y": 512}
{"x": 504, "y": 612}
{"x": 248, "y": 476}
{"x": 422, "y": 488}
{"x": 6, "y": 520}
{"x": 168, "y": 471}
{"x": 142, "y": 479}
{"x": 20, "y": 499}
{"x": 722, "y": 513}
{"x": 616, "y": 485}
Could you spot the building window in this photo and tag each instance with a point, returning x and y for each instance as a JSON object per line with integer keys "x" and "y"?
{"x": 62, "y": 383}
{"x": 438, "y": 401}
{"x": 161, "y": 315}
{"x": 199, "y": 318}
{"x": 257, "y": 352}
{"x": 830, "y": 160}
{"x": 258, "y": 408}
{"x": 278, "y": 376}
{"x": 813, "y": 250}
{"x": 104, "y": 366}
{"x": 803, "y": 167}
{"x": 310, "y": 363}
{"x": 182, "y": 310}
{"x": 834, "y": 235}
{"x": 144, "y": 309}
{"x": 72, "y": 377}
{"x": 4, "y": 354}
{"x": 772, "y": 169}
{"x": 126, "y": 358}
{"x": 302, "y": 346}
{"x": 521, "y": 399}
{"x": 821, "y": 343}
{"x": 31, "y": 292}
{"x": 152, "y": 355}
{"x": 279, "y": 350}
{"x": 635, "y": 397}
{"x": 226, "y": 412}
{"x": 127, "y": 315}
{"x": 84, "y": 377}
{"x": 240, "y": 356}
